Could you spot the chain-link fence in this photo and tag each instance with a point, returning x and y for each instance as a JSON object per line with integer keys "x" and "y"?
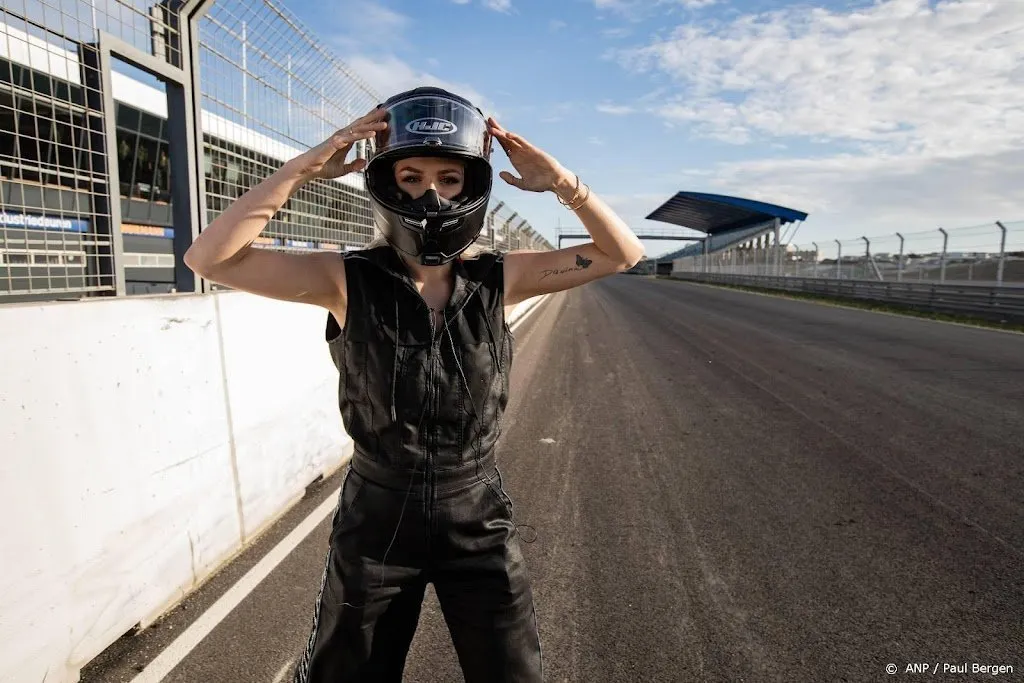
{"x": 91, "y": 141}
{"x": 988, "y": 254}
{"x": 54, "y": 211}
{"x": 506, "y": 230}
{"x": 270, "y": 90}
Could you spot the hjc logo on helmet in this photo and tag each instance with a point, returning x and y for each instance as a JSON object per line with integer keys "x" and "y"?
{"x": 431, "y": 125}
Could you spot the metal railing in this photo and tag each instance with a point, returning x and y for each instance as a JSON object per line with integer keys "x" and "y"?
{"x": 989, "y": 254}
{"x": 1001, "y": 304}
{"x": 271, "y": 90}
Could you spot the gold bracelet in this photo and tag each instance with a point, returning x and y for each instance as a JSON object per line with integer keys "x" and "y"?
{"x": 583, "y": 200}
{"x": 575, "y": 193}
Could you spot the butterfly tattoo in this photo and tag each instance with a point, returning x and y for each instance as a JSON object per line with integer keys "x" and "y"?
{"x": 581, "y": 263}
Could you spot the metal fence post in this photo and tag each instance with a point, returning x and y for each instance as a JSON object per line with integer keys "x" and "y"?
{"x": 867, "y": 256}
{"x": 942, "y": 259}
{"x": 490, "y": 223}
{"x": 871, "y": 262}
{"x": 1002, "y": 254}
{"x": 107, "y": 266}
{"x": 506, "y": 231}
{"x": 899, "y": 264}
{"x": 839, "y": 261}
{"x": 524, "y": 225}
{"x": 778, "y": 250}
{"x": 816, "y": 253}
{"x": 245, "y": 75}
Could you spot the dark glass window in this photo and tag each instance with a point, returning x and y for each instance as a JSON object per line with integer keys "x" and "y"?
{"x": 145, "y": 165}
{"x": 151, "y": 125}
{"x": 162, "y": 175}
{"x": 66, "y": 130}
{"x": 126, "y": 143}
{"x": 127, "y": 117}
{"x": 7, "y": 139}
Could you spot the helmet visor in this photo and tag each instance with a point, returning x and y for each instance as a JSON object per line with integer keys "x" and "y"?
{"x": 434, "y": 122}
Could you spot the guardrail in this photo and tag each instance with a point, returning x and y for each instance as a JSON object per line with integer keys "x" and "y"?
{"x": 1003, "y": 304}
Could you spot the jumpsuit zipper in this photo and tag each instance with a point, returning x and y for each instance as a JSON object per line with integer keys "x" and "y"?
{"x": 428, "y": 494}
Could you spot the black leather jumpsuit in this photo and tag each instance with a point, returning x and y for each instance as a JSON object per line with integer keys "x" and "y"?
{"x": 422, "y": 499}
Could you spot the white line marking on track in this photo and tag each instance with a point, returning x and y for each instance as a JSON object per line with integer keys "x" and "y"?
{"x": 284, "y": 670}
{"x": 201, "y": 627}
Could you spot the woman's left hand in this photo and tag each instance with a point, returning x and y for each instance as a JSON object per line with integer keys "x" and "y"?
{"x": 539, "y": 170}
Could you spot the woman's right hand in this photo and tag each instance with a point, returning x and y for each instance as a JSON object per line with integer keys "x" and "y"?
{"x": 327, "y": 160}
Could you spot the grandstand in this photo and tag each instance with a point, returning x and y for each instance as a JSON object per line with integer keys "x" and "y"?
{"x": 731, "y": 225}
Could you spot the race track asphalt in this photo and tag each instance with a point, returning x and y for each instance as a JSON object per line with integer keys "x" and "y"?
{"x": 719, "y": 486}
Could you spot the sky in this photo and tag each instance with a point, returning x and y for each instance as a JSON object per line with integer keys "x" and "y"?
{"x": 871, "y": 116}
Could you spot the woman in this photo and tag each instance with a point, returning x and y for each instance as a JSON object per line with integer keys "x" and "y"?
{"x": 419, "y": 337}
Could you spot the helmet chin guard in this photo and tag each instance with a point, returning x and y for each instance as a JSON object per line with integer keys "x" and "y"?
{"x": 430, "y": 122}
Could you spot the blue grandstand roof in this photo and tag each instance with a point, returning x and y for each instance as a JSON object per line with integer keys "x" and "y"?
{"x": 715, "y": 213}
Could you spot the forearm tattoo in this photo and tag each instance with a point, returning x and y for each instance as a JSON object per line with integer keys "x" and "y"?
{"x": 581, "y": 264}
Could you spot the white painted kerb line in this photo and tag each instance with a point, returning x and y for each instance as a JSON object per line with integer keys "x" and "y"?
{"x": 201, "y": 627}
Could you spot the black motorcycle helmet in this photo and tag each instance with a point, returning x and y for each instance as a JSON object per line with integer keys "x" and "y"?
{"x": 430, "y": 122}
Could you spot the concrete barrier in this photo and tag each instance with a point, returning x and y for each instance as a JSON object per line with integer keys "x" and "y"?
{"x": 145, "y": 442}
{"x": 1003, "y": 303}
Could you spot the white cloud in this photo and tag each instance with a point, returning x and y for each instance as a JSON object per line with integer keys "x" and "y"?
{"x": 631, "y": 10}
{"x": 637, "y": 10}
{"x": 390, "y": 75}
{"x": 927, "y": 96}
{"x": 615, "y": 109}
{"x": 594, "y": 140}
{"x": 381, "y": 18}
{"x": 882, "y": 194}
{"x": 557, "y": 111}
{"x": 499, "y": 5}
{"x": 898, "y": 75}
{"x": 496, "y": 5}
{"x": 378, "y": 24}
{"x": 556, "y": 24}
{"x": 615, "y": 32}
{"x": 847, "y": 196}
{"x": 633, "y": 207}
